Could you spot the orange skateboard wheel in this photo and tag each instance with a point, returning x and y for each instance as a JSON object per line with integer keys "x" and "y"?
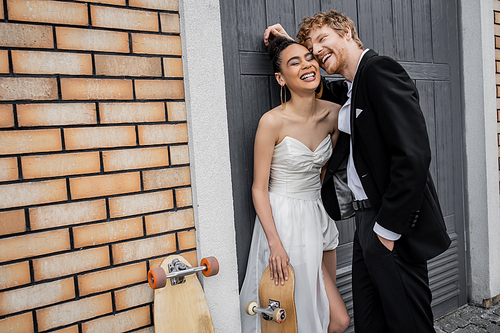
{"x": 212, "y": 265}
{"x": 157, "y": 278}
{"x": 279, "y": 315}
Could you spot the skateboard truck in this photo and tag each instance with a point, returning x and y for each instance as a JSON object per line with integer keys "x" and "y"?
{"x": 272, "y": 312}
{"x": 157, "y": 277}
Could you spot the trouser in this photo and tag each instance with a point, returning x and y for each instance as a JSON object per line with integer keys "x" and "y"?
{"x": 390, "y": 294}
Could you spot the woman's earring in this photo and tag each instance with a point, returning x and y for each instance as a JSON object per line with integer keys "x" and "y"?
{"x": 283, "y": 104}
{"x": 320, "y": 92}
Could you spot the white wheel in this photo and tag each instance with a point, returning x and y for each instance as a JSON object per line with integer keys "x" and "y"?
{"x": 249, "y": 308}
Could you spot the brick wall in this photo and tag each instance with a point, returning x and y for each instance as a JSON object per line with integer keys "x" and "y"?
{"x": 94, "y": 165}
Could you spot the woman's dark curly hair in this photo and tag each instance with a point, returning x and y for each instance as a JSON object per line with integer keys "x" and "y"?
{"x": 276, "y": 46}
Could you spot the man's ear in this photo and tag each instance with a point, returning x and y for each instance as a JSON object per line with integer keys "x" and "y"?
{"x": 279, "y": 78}
{"x": 348, "y": 33}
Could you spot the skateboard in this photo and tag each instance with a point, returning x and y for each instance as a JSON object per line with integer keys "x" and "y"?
{"x": 179, "y": 302}
{"x": 277, "y": 304}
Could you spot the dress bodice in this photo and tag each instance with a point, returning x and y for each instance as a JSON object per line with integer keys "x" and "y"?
{"x": 295, "y": 169}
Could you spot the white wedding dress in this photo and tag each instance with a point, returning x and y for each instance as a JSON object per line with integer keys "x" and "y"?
{"x": 304, "y": 228}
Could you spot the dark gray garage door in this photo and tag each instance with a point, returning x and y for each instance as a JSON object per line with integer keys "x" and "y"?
{"x": 423, "y": 36}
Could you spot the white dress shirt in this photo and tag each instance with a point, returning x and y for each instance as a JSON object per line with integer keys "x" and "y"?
{"x": 353, "y": 181}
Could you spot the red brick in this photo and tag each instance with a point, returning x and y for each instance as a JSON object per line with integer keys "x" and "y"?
{"x": 143, "y": 248}
{"x": 18, "y": 300}
{"x": 187, "y": 240}
{"x": 92, "y": 40}
{"x": 24, "y": 35}
{"x": 4, "y": 62}
{"x": 169, "y": 221}
{"x": 172, "y": 5}
{"x": 176, "y": 111}
{"x": 156, "y": 44}
{"x": 162, "y": 134}
{"x": 31, "y": 245}
{"x": 85, "y": 89}
{"x": 18, "y": 142}
{"x": 36, "y": 193}
{"x": 133, "y": 296}
{"x": 150, "y": 329}
{"x": 70, "y": 263}
{"x": 48, "y": 12}
{"x": 99, "y": 137}
{"x": 8, "y": 169}
{"x": 28, "y": 88}
{"x": 120, "y": 322}
{"x": 18, "y": 324}
{"x": 189, "y": 256}
{"x": 134, "y": 158}
{"x": 71, "y": 312}
{"x": 172, "y": 67}
{"x": 14, "y": 275}
{"x": 12, "y": 222}
{"x": 112, "y": 278}
{"x": 6, "y": 115}
{"x": 140, "y": 203}
{"x": 107, "y": 232}
{"x": 42, "y": 166}
{"x": 56, "y": 114}
{"x": 170, "y": 23}
{"x": 96, "y": 186}
{"x": 179, "y": 154}
{"x": 159, "y": 89}
{"x": 183, "y": 197}
{"x": 109, "y": 2}
{"x": 126, "y": 19}
{"x": 131, "y": 112}
{"x": 112, "y": 65}
{"x": 37, "y": 62}
{"x": 165, "y": 178}
{"x": 67, "y": 214}
{"x": 71, "y": 329}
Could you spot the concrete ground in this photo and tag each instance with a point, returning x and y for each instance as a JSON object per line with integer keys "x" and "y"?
{"x": 470, "y": 318}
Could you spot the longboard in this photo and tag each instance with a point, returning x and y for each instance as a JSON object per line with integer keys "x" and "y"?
{"x": 180, "y": 305}
{"x": 277, "y": 304}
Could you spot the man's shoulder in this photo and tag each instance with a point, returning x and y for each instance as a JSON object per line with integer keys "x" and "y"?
{"x": 376, "y": 62}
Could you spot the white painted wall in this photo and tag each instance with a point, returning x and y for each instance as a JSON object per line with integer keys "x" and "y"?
{"x": 209, "y": 155}
{"x": 481, "y": 147}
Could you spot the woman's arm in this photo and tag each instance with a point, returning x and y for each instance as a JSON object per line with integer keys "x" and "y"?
{"x": 265, "y": 140}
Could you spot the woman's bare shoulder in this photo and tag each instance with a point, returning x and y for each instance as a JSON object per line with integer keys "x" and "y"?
{"x": 272, "y": 119}
{"x": 329, "y": 105}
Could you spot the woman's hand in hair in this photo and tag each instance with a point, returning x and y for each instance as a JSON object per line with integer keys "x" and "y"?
{"x": 273, "y": 31}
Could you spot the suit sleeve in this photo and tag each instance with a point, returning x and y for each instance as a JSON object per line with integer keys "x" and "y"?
{"x": 333, "y": 90}
{"x": 394, "y": 99}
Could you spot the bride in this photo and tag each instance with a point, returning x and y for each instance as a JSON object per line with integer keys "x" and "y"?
{"x": 292, "y": 144}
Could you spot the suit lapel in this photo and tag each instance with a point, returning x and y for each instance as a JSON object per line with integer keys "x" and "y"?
{"x": 366, "y": 56}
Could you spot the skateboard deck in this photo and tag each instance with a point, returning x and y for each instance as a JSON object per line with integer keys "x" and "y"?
{"x": 284, "y": 294}
{"x": 181, "y": 308}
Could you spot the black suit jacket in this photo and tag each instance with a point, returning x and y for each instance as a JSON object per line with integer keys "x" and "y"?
{"x": 391, "y": 154}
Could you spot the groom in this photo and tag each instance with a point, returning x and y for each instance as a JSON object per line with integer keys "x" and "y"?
{"x": 384, "y": 149}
